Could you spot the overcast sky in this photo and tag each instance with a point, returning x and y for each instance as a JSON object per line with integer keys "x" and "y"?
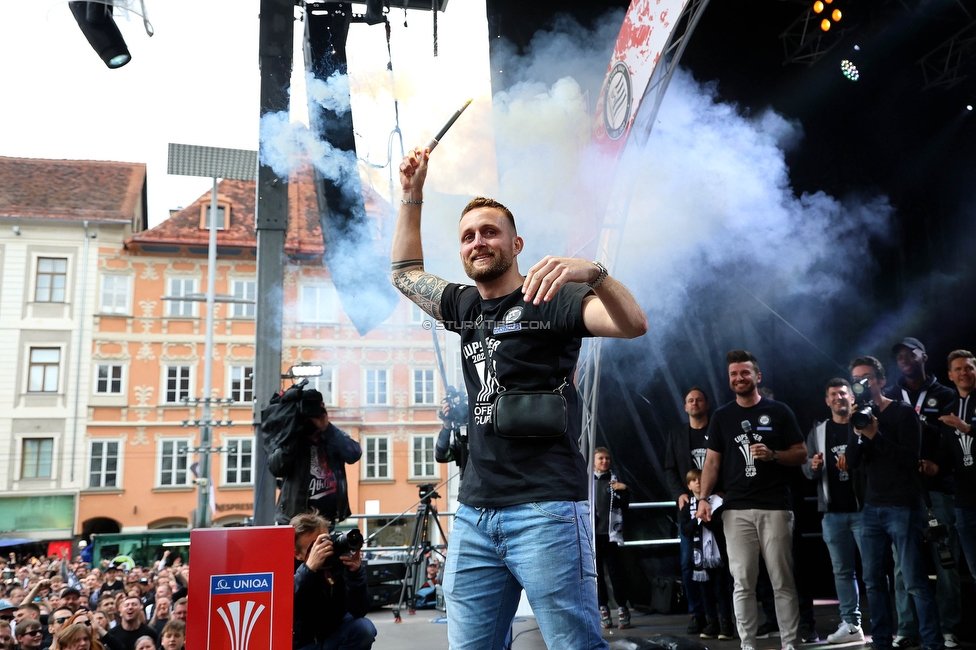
{"x": 197, "y": 81}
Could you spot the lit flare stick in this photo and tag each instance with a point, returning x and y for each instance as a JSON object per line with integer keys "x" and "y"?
{"x": 440, "y": 134}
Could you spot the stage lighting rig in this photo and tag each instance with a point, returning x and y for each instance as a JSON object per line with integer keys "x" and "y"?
{"x": 849, "y": 70}
{"x": 831, "y": 18}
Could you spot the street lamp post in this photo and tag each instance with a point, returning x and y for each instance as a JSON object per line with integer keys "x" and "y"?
{"x": 215, "y": 163}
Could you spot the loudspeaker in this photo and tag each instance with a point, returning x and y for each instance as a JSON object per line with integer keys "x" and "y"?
{"x": 384, "y": 594}
{"x": 379, "y": 571}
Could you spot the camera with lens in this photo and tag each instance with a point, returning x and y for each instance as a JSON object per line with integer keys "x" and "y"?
{"x": 343, "y": 544}
{"x": 457, "y": 409}
{"x": 938, "y": 534}
{"x": 864, "y": 407}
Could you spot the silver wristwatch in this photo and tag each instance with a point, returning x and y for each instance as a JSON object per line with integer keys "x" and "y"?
{"x": 600, "y": 278}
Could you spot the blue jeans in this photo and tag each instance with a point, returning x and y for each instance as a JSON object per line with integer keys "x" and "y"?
{"x": 901, "y": 527}
{"x": 696, "y": 604}
{"x": 353, "y": 634}
{"x": 946, "y": 580}
{"x": 966, "y": 527}
{"x": 842, "y": 535}
{"x": 544, "y": 548}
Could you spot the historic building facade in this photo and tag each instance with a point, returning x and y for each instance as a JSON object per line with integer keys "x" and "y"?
{"x": 148, "y": 358}
{"x": 56, "y": 219}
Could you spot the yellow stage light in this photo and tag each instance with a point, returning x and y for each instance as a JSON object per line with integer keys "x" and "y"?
{"x": 836, "y": 15}
{"x": 825, "y": 25}
{"x": 818, "y": 7}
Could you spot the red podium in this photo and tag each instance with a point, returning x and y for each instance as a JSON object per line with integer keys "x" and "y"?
{"x": 241, "y": 592}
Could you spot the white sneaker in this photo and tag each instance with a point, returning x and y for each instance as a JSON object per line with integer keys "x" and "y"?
{"x": 902, "y": 642}
{"x": 846, "y": 633}
{"x": 950, "y": 640}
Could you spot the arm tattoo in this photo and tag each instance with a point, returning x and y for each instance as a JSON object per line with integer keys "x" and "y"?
{"x": 406, "y": 264}
{"x": 424, "y": 289}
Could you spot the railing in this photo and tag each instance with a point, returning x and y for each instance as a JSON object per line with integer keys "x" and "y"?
{"x": 409, "y": 516}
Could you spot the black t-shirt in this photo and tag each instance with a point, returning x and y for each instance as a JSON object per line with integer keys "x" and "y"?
{"x": 128, "y": 639}
{"x": 840, "y": 483}
{"x": 956, "y": 451}
{"x": 323, "y": 484}
{"x": 698, "y": 443}
{"x": 751, "y": 483}
{"x": 531, "y": 347}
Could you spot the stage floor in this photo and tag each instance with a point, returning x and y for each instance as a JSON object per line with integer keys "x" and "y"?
{"x": 425, "y": 630}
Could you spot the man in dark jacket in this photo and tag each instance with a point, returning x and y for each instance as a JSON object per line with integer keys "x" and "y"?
{"x": 331, "y": 597}
{"x": 312, "y": 465}
{"x": 686, "y": 450}
{"x": 930, "y": 399}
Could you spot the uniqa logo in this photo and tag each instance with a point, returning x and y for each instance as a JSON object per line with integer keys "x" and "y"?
{"x": 240, "y": 627}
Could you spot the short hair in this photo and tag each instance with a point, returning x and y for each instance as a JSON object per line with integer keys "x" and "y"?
{"x": 740, "y": 356}
{"x": 693, "y": 473}
{"x": 307, "y": 523}
{"x": 27, "y": 625}
{"x": 145, "y": 637}
{"x": 485, "y": 202}
{"x": 961, "y": 354}
{"x": 32, "y": 607}
{"x": 601, "y": 450}
{"x": 173, "y": 626}
{"x": 699, "y": 389}
{"x": 180, "y": 601}
{"x": 132, "y": 597}
{"x": 879, "y": 371}
{"x": 4, "y": 623}
{"x": 72, "y": 633}
{"x": 837, "y": 382}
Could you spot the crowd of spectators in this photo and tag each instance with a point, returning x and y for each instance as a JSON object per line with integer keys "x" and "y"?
{"x": 67, "y": 604}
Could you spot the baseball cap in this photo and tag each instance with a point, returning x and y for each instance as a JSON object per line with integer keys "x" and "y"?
{"x": 69, "y": 591}
{"x": 6, "y": 604}
{"x": 910, "y": 343}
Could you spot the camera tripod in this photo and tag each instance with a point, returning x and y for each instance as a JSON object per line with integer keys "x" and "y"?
{"x": 419, "y": 547}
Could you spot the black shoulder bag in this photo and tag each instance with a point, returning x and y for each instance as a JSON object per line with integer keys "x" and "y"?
{"x": 528, "y": 414}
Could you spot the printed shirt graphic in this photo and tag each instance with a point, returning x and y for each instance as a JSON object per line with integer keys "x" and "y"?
{"x": 530, "y": 347}
{"x": 698, "y": 442}
{"x": 240, "y": 611}
{"x": 751, "y": 483}
{"x": 322, "y": 484}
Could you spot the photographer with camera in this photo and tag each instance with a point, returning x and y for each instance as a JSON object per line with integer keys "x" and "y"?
{"x": 884, "y": 442}
{"x": 311, "y": 460}
{"x": 331, "y": 596}
{"x": 452, "y": 444}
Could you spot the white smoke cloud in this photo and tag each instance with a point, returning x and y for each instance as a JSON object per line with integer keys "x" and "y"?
{"x": 712, "y": 209}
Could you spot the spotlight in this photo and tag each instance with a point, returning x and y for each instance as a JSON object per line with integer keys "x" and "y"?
{"x": 836, "y": 15}
{"x": 818, "y": 7}
{"x": 98, "y": 26}
{"x": 969, "y": 107}
{"x": 849, "y": 70}
{"x": 857, "y": 48}
{"x": 825, "y": 24}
